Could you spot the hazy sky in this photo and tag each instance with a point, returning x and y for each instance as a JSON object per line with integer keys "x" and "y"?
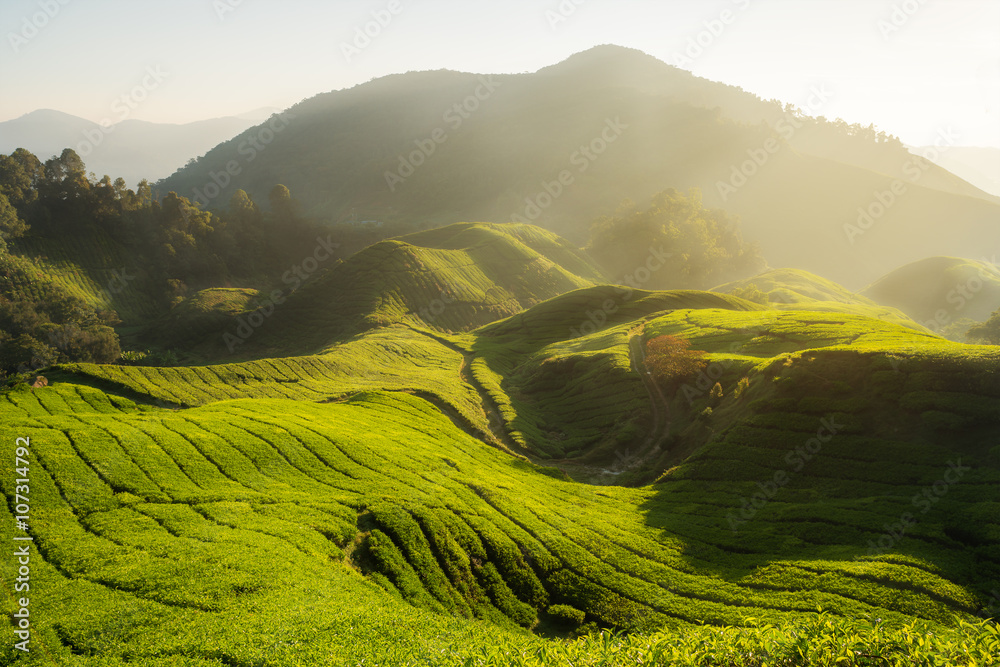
{"x": 912, "y": 67}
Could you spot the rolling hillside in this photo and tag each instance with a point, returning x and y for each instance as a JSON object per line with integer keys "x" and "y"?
{"x": 451, "y": 279}
{"x": 302, "y": 510}
{"x": 95, "y": 268}
{"x": 940, "y": 291}
{"x": 567, "y": 144}
{"x": 794, "y": 289}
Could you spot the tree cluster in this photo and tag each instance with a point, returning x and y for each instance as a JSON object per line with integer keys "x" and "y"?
{"x": 180, "y": 247}
{"x": 705, "y": 246}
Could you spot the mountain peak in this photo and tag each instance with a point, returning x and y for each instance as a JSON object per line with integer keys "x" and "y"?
{"x": 49, "y": 116}
{"x": 622, "y": 58}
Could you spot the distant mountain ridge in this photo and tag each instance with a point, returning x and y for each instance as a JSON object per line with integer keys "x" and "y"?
{"x": 132, "y": 149}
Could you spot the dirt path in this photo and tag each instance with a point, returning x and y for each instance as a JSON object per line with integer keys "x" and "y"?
{"x": 657, "y": 399}
{"x": 494, "y": 418}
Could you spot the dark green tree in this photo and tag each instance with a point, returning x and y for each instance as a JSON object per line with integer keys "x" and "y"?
{"x": 987, "y": 333}
{"x": 11, "y": 226}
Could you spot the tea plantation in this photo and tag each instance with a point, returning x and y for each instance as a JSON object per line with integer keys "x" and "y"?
{"x": 826, "y": 492}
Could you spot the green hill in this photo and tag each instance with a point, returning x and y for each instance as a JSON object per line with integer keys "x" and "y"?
{"x": 451, "y": 279}
{"x": 794, "y": 289}
{"x": 610, "y": 124}
{"x": 941, "y": 291}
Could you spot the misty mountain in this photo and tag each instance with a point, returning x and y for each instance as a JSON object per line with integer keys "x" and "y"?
{"x": 132, "y": 149}
{"x": 977, "y": 165}
{"x": 567, "y": 144}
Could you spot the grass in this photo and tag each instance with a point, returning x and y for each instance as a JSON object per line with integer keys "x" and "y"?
{"x": 449, "y": 280}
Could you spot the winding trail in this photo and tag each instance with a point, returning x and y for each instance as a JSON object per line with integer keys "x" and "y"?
{"x": 494, "y": 418}
{"x": 657, "y": 399}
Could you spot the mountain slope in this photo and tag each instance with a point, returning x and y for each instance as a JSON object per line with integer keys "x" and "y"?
{"x": 566, "y": 145}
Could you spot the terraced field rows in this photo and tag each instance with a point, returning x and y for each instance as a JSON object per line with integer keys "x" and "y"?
{"x": 94, "y": 269}
{"x": 221, "y": 509}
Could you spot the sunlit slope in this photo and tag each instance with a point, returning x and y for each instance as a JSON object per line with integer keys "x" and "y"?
{"x": 281, "y": 532}
{"x": 453, "y": 279}
{"x": 795, "y": 289}
{"x": 564, "y": 377}
{"x": 393, "y": 359}
{"x": 940, "y": 290}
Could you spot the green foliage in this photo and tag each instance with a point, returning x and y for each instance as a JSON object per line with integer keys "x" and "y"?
{"x": 704, "y": 246}
{"x": 42, "y": 324}
{"x": 566, "y": 616}
{"x": 750, "y": 292}
{"x": 987, "y": 333}
{"x": 11, "y": 226}
{"x": 795, "y": 289}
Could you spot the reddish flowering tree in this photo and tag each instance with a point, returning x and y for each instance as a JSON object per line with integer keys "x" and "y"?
{"x": 671, "y": 360}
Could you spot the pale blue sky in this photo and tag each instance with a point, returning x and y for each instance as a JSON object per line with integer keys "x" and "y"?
{"x": 941, "y": 68}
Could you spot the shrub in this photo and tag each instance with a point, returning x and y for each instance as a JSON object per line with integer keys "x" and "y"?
{"x": 565, "y": 616}
{"x": 741, "y": 388}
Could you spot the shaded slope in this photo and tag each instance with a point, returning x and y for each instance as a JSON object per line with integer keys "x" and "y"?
{"x": 564, "y": 377}
{"x": 454, "y": 279}
{"x": 96, "y": 269}
{"x": 938, "y": 291}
